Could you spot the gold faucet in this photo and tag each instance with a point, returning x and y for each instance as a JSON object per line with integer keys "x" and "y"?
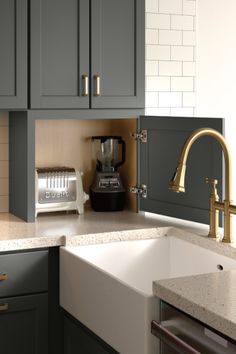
{"x": 178, "y": 184}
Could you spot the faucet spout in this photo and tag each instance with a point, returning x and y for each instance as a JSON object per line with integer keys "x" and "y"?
{"x": 178, "y": 180}
{"x": 177, "y": 183}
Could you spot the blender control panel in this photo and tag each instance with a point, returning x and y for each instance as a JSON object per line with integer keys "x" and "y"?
{"x": 109, "y": 182}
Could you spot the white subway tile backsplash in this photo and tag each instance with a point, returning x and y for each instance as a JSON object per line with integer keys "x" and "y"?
{"x": 157, "y": 21}
{"x": 151, "y": 99}
{"x": 189, "y": 68}
{"x": 189, "y": 99}
{"x": 4, "y": 186}
{"x": 152, "y": 36}
{"x": 170, "y": 68}
{"x": 4, "y": 152}
{"x": 170, "y": 6}
{"x": 157, "y": 52}
{"x": 157, "y": 83}
{"x": 170, "y": 99}
{"x": 189, "y": 38}
{"x": 182, "y": 83}
{"x": 152, "y": 68}
{"x": 170, "y": 37}
{"x": 151, "y": 6}
{"x": 189, "y": 7}
{"x": 4, "y": 204}
{"x": 182, "y": 112}
{"x": 157, "y": 112}
{"x": 182, "y": 53}
{"x": 4, "y": 135}
{"x": 179, "y": 22}
{"x": 4, "y": 169}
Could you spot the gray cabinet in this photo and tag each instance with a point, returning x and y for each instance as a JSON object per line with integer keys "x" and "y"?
{"x": 79, "y": 339}
{"x": 117, "y": 53}
{"x": 159, "y": 157}
{"x": 24, "y": 302}
{"x": 23, "y": 326}
{"x": 13, "y": 58}
{"x": 87, "y": 54}
{"x": 59, "y": 53}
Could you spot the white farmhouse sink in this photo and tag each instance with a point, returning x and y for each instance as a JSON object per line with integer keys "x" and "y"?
{"x": 108, "y": 287}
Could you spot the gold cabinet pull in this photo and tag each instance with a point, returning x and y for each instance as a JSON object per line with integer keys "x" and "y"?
{"x": 97, "y": 85}
{"x": 3, "y": 276}
{"x": 85, "y": 85}
{"x": 3, "y": 307}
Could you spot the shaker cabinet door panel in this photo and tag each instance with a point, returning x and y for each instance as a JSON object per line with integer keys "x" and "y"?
{"x": 26, "y": 272}
{"x": 23, "y": 325}
{"x": 117, "y": 53}
{"x": 13, "y": 58}
{"x": 79, "y": 339}
{"x": 59, "y": 53}
{"x": 158, "y": 161}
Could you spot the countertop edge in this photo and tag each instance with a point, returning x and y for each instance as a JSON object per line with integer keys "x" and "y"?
{"x": 195, "y": 310}
{"x": 31, "y": 243}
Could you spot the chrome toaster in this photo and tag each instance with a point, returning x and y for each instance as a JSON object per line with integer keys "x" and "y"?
{"x": 59, "y": 189}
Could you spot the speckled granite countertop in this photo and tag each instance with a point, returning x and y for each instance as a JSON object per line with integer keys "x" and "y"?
{"x": 210, "y": 298}
{"x": 55, "y": 230}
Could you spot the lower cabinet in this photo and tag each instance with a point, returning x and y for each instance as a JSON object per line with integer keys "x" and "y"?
{"x": 79, "y": 339}
{"x": 24, "y": 302}
{"x": 23, "y": 324}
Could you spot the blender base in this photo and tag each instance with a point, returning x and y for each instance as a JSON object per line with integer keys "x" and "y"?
{"x": 110, "y": 201}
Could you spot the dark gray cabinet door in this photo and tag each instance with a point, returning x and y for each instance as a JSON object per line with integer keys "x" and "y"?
{"x": 78, "y": 339}
{"x": 159, "y": 158}
{"x": 59, "y": 53}
{"x": 13, "y": 57}
{"x": 24, "y": 325}
{"x": 27, "y": 272}
{"x": 117, "y": 53}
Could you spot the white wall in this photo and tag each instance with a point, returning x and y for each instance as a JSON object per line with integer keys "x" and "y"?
{"x": 170, "y": 57}
{"x": 216, "y": 65}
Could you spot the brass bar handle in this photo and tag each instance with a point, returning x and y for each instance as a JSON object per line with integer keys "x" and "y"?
{"x": 97, "y": 85}
{"x": 85, "y": 85}
{"x": 171, "y": 339}
{"x": 3, "y": 307}
{"x": 3, "y": 276}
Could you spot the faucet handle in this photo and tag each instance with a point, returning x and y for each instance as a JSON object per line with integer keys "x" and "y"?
{"x": 213, "y": 182}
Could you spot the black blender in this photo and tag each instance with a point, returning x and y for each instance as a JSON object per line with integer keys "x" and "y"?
{"x": 107, "y": 192}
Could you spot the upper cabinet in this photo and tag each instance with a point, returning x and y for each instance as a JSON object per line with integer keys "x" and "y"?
{"x": 82, "y": 54}
{"x": 59, "y": 54}
{"x": 13, "y": 57}
{"x": 87, "y": 54}
{"x": 117, "y": 53}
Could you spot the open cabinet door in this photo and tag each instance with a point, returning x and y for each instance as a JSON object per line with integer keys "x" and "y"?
{"x": 158, "y": 159}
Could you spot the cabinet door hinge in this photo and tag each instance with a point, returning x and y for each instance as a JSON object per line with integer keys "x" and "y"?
{"x": 142, "y": 191}
{"x": 141, "y": 136}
